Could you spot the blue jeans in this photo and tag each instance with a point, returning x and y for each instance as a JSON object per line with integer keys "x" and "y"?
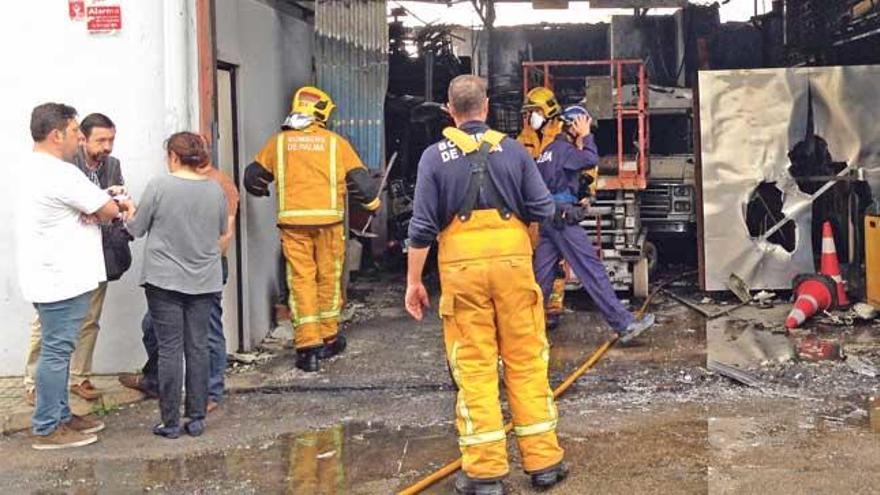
{"x": 216, "y": 350}
{"x": 61, "y": 321}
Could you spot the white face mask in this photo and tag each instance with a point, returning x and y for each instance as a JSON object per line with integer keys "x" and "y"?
{"x": 536, "y": 120}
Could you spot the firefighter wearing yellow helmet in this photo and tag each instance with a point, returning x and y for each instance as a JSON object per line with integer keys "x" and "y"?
{"x": 541, "y": 125}
{"x": 312, "y": 168}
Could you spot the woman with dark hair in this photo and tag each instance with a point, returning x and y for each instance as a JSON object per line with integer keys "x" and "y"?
{"x": 183, "y": 215}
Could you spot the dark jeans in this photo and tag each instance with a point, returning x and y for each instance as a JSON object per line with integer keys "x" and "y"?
{"x": 181, "y": 324}
{"x": 151, "y": 345}
{"x": 216, "y": 349}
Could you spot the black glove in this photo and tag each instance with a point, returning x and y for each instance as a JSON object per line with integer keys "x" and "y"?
{"x": 362, "y": 188}
{"x": 575, "y": 215}
{"x": 558, "y": 221}
{"x": 257, "y": 179}
{"x": 584, "y": 183}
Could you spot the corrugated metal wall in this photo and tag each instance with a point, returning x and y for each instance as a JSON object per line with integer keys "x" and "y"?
{"x": 351, "y": 58}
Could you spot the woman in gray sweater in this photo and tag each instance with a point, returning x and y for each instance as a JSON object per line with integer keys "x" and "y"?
{"x": 183, "y": 215}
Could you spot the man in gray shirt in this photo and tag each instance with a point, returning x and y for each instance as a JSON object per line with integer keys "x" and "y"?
{"x": 94, "y": 160}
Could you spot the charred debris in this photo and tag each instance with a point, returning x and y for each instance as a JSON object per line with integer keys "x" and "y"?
{"x": 674, "y": 48}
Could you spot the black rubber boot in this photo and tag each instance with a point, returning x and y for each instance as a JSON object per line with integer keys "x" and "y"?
{"x": 465, "y": 485}
{"x": 307, "y": 359}
{"x": 333, "y": 348}
{"x": 547, "y": 478}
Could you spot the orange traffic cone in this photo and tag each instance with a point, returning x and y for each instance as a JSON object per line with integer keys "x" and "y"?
{"x": 830, "y": 265}
{"x": 814, "y": 293}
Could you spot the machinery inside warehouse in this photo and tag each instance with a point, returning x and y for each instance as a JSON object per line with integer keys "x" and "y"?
{"x": 646, "y": 201}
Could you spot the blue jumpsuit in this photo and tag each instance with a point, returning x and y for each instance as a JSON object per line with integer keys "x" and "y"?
{"x": 561, "y": 166}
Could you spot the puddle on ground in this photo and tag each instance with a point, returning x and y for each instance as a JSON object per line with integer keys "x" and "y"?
{"x": 344, "y": 459}
{"x": 678, "y": 337}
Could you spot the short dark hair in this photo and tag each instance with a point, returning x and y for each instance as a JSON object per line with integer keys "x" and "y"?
{"x": 93, "y": 120}
{"x": 467, "y": 94}
{"x": 50, "y": 117}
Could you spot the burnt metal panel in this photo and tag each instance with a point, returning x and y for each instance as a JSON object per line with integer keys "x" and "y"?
{"x": 755, "y": 125}
{"x": 351, "y": 61}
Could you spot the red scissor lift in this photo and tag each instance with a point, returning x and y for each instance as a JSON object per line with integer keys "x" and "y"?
{"x": 617, "y": 226}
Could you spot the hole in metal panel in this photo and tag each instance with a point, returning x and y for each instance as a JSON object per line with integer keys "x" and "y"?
{"x": 764, "y": 210}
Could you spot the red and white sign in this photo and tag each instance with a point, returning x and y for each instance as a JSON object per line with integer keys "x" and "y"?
{"x": 104, "y": 18}
{"x": 76, "y": 9}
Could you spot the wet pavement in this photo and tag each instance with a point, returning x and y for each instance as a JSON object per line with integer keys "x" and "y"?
{"x": 650, "y": 418}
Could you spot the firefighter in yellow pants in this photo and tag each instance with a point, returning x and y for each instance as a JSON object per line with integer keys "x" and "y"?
{"x": 313, "y": 169}
{"x": 474, "y": 192}
{"x": 541, "y": 125}
{"x": 316, "y": 462}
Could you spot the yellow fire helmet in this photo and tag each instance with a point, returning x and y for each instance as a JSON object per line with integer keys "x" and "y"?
{"x": 310, "y": 100}
{"x": 543, "y": 99}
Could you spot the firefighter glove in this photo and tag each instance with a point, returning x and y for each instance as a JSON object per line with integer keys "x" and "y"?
{"x": 257, "y": 179}
{"x": 575, "y": 215}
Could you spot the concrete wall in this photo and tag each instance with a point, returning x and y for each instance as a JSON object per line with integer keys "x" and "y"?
{"x": 144, "y": 79}
{"x": 273, "y": 54}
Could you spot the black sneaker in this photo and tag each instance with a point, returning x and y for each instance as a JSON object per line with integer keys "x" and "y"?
{"x": 171, "y": 432}
{"x": 307, "y": 359}
{"x": 547, "y": 478}
{"x": 637, "y": 328}
{"x": 465, "y": 485}
{"x": 333, "y": 348}
{"x": 553, "y": 322}
{"x": 195, "y": 428}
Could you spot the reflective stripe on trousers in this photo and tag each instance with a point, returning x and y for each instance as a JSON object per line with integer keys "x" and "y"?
{"x": 315, "y": 257}
{"x": 491, "y": 307}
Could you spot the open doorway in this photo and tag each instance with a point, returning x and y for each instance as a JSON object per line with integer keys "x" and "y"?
{"x": 227, "y": 161}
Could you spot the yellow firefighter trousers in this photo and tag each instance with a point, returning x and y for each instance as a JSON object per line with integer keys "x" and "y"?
{"x": 556, "y": 303}
{"x": 491, "y": 305}
{"x": 315, "y": 257}
{"x": 316, "y": 462}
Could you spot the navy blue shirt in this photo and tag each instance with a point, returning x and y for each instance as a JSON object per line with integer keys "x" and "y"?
{"x": 444, "y": 174}
{"x": 562, "y": 164}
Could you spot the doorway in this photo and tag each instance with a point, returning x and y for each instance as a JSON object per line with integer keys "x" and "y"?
{"x": 227, "y": 162}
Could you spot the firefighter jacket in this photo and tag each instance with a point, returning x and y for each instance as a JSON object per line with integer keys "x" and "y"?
{"x": 313, "y": 169}
{"x": 536, "y": 143}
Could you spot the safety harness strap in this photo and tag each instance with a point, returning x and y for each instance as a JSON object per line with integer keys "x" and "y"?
{"x": 480, "y": 179}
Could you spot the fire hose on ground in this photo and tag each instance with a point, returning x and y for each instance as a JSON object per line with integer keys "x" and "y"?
{"x": 454, "y": 466}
